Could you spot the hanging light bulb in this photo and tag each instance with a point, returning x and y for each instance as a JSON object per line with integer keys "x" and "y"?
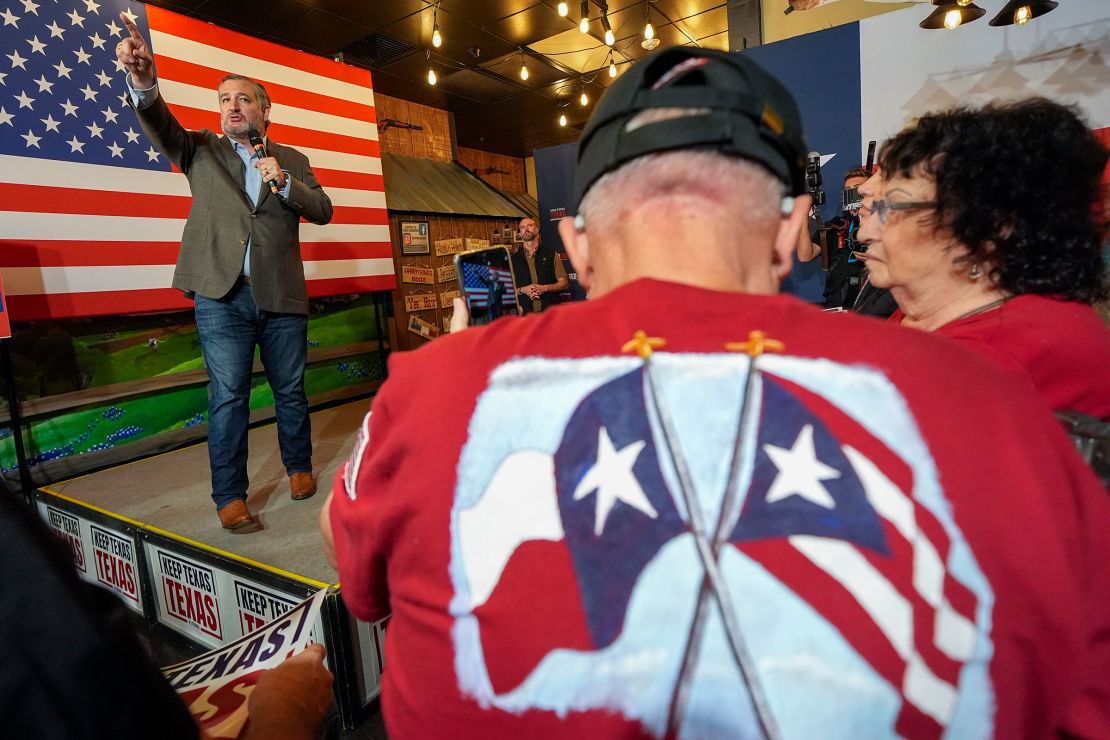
{"x": 1021, "y": 12}
{"x": 951, "y": 14}
{"x": 523, "y": 70}
{"x": 563, "y": 10}
{"x": 437, "y": 40}
{"x": 431, "y": 76}
{"x": 649, "y": 42}
{"x": 584, "y": 24}
{"x": 610, "y": 39}
{"x": 612, "y": 68}
{"x": 584, "y": 99}
{"x": 562, "y": 119}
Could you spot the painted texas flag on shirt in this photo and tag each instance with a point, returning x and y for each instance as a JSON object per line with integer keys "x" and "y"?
{"x": 843, "y": 595}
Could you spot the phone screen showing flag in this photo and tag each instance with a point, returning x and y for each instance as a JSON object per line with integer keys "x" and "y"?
{"x": 486, "y": 278}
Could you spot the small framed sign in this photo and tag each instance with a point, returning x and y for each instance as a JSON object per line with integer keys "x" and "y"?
{"x": 414, "y": 237}
{"x": 474, "y": 243}
{"x": 418, "y": 275}
{"x": 446, "y": 273}
{"x": 421, "y": 302}
{"x": 449, "y": 246}
{"x": 423, "y": 328}
{"x": 446, "y": 297}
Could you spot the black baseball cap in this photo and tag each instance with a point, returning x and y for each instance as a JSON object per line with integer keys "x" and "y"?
{"x": 750, "y": 114}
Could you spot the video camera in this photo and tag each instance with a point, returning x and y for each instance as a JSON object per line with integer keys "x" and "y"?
{"x": 813, "y": 178}
{"x": 851, "y": 200}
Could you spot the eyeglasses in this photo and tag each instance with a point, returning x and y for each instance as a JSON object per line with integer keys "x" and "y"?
{"x": 882, "y": 209}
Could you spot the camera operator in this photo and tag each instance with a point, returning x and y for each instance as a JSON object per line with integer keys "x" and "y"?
{"x": 836, "y": 242}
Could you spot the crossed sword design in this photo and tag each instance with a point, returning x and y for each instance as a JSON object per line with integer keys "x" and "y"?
{"x": 709, "y": 545}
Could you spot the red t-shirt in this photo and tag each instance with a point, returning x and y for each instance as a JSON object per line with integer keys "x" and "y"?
{"x": 1061, "y": 347}
{"x": 902, "y": 546}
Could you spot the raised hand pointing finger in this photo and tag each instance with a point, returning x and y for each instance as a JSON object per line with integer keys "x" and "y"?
{"x": 134, "y": 54}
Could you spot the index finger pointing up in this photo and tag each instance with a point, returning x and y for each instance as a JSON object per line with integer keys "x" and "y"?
{"x": 135, "y": 32}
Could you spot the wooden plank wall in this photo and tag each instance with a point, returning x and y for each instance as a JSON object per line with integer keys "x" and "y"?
{"x": 509, "y": 174}
{"x": 433, "y": 141}
{"x": 439, "y": 227}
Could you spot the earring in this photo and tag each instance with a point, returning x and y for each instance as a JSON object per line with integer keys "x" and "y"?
{"x": 786, "y": 207}
{"x": 580, "y": 223}
{"x": 974, "y": 272}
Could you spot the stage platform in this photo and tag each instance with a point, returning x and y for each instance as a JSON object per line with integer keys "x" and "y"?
{"x": 148, "y": 530}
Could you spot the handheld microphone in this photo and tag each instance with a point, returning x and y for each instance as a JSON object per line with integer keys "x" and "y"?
{"x": 260, "y": 148}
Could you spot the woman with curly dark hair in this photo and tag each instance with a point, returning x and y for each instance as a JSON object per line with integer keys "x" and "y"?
{"x": 987, "y": 227}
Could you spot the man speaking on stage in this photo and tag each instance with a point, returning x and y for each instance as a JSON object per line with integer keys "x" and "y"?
{"x": 240, "y": 261}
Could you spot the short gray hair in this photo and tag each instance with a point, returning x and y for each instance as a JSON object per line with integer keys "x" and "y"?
{"x": 696, "y": 169}
{"x": 697, "y": 166}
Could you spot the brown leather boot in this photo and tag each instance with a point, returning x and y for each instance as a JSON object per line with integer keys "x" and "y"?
{"x": 301, "y": 486}
{"x": 236, "y": 516}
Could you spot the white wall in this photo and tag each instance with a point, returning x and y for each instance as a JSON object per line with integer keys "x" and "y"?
{"x": 906, "y": 70}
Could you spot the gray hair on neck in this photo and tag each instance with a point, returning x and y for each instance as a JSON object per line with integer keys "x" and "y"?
{"x": 689, "y": 170}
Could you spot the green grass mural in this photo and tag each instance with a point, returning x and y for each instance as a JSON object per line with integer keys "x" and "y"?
{"x": 62, "y": 357}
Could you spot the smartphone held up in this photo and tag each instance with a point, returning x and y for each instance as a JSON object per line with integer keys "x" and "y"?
{"x": 487, "y": 284}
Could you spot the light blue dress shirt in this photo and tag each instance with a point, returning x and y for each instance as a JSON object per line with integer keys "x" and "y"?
{"x": 252, "y": 178}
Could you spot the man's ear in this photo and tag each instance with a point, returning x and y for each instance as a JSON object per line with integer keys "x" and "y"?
{"x": 786, "y": 239}
{"x": 578, "y": 249}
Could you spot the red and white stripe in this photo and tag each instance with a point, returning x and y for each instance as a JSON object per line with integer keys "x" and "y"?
{"x": 925, "y": 617}
{"x": 83, "y": 239}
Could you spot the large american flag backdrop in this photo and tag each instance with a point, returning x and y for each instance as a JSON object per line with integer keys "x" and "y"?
{"x": 92, "y": 214}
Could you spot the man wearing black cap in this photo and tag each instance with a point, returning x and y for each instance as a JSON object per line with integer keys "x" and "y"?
{"x": 724, "y": 514}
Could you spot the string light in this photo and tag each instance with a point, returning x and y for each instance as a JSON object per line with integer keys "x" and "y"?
{"x": 562, "y": 119}
{"x": 649, "y": 42}
{"x": 431, "y": 76}
{"x": 563, "y": 10}
{"x": 609, "y": 38}
{"x": 437, "y": 39}
{"x": 612, "y": 67}
{"x": 523, "y": 67}
{"x": 584, "y": 24}
{"x": 584, "y": 99}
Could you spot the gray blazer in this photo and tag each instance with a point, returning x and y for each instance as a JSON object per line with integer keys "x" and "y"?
{"x": 222, "y": 217}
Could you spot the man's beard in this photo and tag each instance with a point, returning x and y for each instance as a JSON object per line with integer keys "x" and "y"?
{"x": 241, "y": 128}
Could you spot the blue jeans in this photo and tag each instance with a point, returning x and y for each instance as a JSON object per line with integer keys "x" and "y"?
{"x": 229, "y": 329}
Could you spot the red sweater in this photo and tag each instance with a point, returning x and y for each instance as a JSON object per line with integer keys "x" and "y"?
{"x": 1061, "y": 347}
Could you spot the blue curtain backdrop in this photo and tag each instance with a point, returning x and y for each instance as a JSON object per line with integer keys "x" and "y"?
{"x": 822, "y": 71}
{"x": 555, "y": 182}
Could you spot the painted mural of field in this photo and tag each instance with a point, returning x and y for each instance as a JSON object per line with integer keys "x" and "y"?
{"x": 132, "y": 349}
